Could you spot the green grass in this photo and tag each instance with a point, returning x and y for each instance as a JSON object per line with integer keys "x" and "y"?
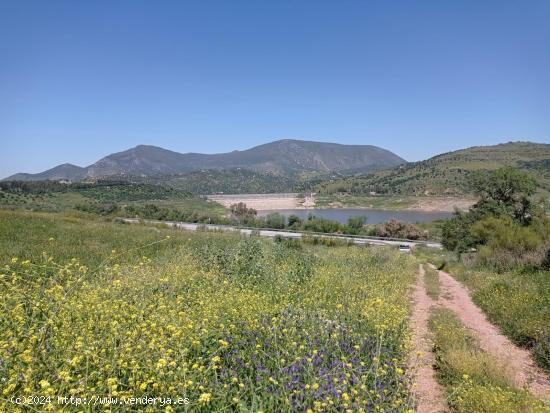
{"x": 231, "y": 323}
{"x": 431, "y": 282}
{"x": 29, "y": 235}
{"x": 476, "y": 381}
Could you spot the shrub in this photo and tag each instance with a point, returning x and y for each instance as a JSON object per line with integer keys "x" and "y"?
{"x": 321, "y": 225}
{"x": 507, "y": 245}
{"x": 101, "y": 209}
{"x": 394, "y": 228}
{"x": 295, "y": 222}
{"x": 275, "y": 220}
{"x": 242, "y": 214}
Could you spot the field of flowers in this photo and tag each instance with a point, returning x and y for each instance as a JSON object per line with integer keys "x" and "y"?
{"x": 229, "y": 323}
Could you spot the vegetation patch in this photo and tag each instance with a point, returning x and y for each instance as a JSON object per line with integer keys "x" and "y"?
{"x": 475, "y": 380}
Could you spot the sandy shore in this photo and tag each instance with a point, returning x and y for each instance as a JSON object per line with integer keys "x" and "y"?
{"x": 441, "y": 204}
{"x": 263, "y": 202}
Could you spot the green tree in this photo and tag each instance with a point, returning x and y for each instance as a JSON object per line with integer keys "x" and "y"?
{"x": 505, "y": 191}
{"x": 504, "y": 204}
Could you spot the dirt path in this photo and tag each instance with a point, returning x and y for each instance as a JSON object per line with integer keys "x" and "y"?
{"x": 429, "y": 394}
{"x": 455, "y": 297}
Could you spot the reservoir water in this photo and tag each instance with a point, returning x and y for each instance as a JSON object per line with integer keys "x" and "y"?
{"x": 374, "y": 216}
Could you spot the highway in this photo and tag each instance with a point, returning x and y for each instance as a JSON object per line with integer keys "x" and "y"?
{"x": 272, "y": 233}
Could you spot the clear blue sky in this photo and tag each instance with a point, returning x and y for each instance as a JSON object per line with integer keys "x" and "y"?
{"x": 82, "y": 79}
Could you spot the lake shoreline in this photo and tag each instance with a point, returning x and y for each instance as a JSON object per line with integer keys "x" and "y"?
{"x": 287, "y": 201}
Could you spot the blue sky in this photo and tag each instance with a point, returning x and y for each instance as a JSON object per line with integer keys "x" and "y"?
{"x": 82, "y": 79}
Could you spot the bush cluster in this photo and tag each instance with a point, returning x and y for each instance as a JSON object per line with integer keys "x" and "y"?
{"x": 504, "y": 226}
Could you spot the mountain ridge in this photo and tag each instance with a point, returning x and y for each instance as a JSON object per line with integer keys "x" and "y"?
{"x": 285, "y": 156}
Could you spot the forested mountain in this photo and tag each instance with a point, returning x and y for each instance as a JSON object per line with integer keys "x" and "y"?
{"x": 283, "y": 157}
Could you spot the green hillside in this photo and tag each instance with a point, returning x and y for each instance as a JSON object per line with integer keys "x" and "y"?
{"x": 232, "y": 181}
{"x": 102, "y": 197}
{"x": 448, "y": 173}
{"x": 242, "y": 181}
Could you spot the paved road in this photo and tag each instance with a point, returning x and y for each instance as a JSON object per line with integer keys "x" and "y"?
{"x": 272, "y": 233}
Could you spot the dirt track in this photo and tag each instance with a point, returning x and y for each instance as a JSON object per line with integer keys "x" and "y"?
{"x": 429, "y": 394}
{"x": 525, "y": 372}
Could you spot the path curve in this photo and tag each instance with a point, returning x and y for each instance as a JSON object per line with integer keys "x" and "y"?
{"x": 455, "y": 297}
{"x": 429, "y": 394}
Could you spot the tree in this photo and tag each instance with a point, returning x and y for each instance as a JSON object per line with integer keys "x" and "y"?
{"x": 243, "y": 214}
{"x": 504, "y": 203}
{"x": 505, "y": 191}
{"x": 455, "y": 232}
{"x": 506, "y": 185}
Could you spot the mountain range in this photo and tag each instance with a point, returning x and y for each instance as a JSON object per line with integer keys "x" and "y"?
{"x": 282, "y": 157}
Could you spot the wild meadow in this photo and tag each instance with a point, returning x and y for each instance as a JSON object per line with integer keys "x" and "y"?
{"x": 98, "y": 309}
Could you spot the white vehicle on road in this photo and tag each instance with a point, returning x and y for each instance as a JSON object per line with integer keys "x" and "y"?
{"x": 405, "y": 248}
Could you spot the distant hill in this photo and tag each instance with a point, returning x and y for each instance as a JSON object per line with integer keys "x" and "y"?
{"x": 283, "y": 157}
{"x": 66, "y": 171}
{"x": 447, "y": 174}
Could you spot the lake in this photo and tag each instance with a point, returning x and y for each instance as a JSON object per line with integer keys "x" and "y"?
{"x": 374, "y": 216}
